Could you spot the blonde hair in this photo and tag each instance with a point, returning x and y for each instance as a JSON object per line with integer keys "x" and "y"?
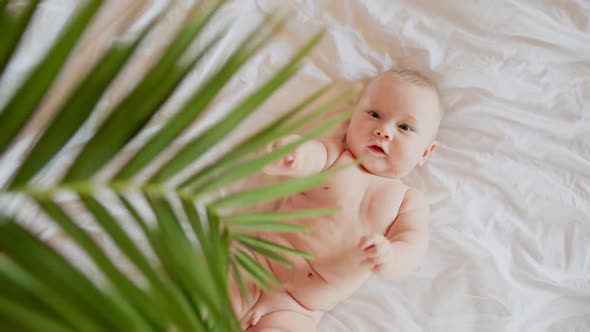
{"x": 417, "y": 78}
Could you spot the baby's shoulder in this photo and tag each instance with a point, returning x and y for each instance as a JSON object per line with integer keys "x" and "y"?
{"x": 403, "y": 197}
{"x": 333, "y": 145}
{"x": 334, "y": 149}
{"x": 414, "y": 199}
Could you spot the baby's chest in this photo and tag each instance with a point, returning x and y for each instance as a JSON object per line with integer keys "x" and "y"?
{"x": 345, "y": 189}
{"x": 362, "y": 200}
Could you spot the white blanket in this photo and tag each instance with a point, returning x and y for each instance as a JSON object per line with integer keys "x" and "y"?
{"x": 509, "y": 185}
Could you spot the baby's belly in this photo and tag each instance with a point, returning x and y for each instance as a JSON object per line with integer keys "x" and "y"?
{"x": 323, "y": 282}
{"x": 335, "y": 272}
{"x": 314, "y": 291}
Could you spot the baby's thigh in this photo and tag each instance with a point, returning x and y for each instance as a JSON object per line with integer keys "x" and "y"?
{"x": 284, "y": 321}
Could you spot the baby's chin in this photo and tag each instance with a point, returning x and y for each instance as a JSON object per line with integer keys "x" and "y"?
{"x": 380, "y": 171}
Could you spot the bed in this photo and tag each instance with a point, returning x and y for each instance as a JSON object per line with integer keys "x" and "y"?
{"x": 509, "y": 185}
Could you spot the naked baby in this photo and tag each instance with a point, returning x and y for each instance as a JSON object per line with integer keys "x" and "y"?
{"x": 382, "y": 224}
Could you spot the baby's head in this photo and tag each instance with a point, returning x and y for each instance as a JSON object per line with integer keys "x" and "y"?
{"x": 394, "y": 126}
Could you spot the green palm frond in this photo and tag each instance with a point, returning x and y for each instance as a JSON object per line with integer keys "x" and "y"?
{"x": 13, "y": 26}
{"x": 196, "y": 241}
{"x": 24, "y": 102}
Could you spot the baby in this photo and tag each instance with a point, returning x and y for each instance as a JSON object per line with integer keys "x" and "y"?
{"x": 382, "y": 224}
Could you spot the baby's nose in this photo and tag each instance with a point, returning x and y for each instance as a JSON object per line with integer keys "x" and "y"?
{"x": 382, "y": 133}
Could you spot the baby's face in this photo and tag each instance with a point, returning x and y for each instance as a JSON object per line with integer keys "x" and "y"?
{"x": 393, "y": 127}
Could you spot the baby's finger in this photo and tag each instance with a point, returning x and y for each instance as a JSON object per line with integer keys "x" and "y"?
{"x": 367, "y": 242}
{"x": 376, "y": 251}
{"x": 368, "y": 262}
{"x": 289, "y": 160}
{"x": 372, "y": 261}
{"x": 370, "y": 251}
{"x": 362, "y": 242}
{"x": 372, "y": 240}
{"x": 377, "y": 268}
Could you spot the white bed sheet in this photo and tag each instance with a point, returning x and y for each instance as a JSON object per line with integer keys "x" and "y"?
{"x": 509, "y": 186}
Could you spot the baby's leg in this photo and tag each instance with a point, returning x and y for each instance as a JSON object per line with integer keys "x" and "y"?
{"x": 284, "y": 321}
{"x": 275, "y": 311}
{"x": 278, "y": 311}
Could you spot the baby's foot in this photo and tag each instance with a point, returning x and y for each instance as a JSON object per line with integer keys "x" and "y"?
{"x": 288, "y": 164}
{"x": 250, "y": 319}
{"x": 283, "y": 166}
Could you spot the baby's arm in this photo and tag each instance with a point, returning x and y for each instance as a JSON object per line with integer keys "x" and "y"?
{"x": 309, "y": 158}
{"x": 403, "y": 247}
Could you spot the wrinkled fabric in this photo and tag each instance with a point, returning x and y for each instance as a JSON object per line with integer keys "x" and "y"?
{"x": 509, "y": 185}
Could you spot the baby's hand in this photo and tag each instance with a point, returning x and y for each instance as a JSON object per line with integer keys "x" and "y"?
{"x": 289, "y": 164}
{"x": 376, "y": 251}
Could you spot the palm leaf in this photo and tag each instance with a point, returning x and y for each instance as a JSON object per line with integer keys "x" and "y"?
{"x": 31, "y": 319}
{"x": 118, "y": 280}
{"x": 18, "y": 110}
{"x": 181, "y": 250}
{"x": 17, "y": 284}
{"x": 268, "y": 253}
{"x": 76, "y": 110}
{"x": 264, "y": 244}
{"x": 197, "y": 103}
{"x": 179, "y": 306}
{"x": 240, "y": 218}
{"x": 272, "y": 192}
{"x": 38, "y": 260}
{"x": 266, "y": 222}
{"x": 271, "y": 227}
{"x": 202, "y": 143}
{"x": 240, "y": 281}
{"x": 196, "y": 225}
{"x": 250, "y": 166}
{"x": 256, "y": 271}
{"x": 13, "y": 27}
{"x": 279, "y": 128}
{"x": 250, "y": 145}
{"x": 185, "y": 286}
{"x": 145, "y": 100}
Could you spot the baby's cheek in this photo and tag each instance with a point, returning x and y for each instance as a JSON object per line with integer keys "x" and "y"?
{"x": 408, "y": 158}
{"x": 392, "y": 168}
{"x": 399, "y": 166}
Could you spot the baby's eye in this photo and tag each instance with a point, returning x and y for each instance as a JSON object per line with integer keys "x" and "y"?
{"x": 405, "y": 127}
{"x": 374, "y": 115}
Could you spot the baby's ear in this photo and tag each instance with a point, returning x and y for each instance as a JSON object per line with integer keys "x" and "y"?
{"x": 427, "y": 152}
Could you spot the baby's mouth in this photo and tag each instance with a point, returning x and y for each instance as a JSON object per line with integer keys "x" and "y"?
{"x": 376, "y": 148}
